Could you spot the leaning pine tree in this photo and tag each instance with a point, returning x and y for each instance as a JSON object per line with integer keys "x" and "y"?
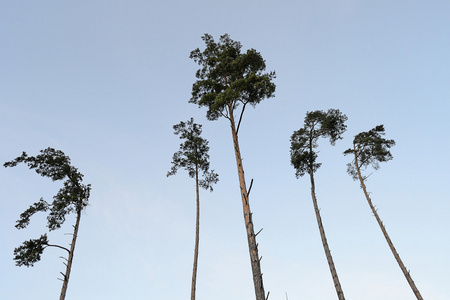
{"x": 73, "y": 197}
{"x": 193, "y": 156}
{"x": 318, "y": 124}
{"x": 369, "y": 149}
{"x": 228, "y": 79}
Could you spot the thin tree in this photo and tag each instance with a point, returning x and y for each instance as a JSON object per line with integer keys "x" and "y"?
{"x": 229, "y": 80}
{"x": 369, "y": 149}
{"x": 318, "y": 124}
{"x": 73, "y": 197}
{"x": 193, "y": 156}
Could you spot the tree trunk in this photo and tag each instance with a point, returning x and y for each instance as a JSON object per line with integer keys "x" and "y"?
{"x": 337, "y": 284}
{"x": 70, "y": 258}
{"x": 251, "y": 237}
{"x": 383, "y": 229}
{"x": 197, "y": 236}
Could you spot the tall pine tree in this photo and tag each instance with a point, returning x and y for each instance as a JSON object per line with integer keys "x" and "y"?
{"x": 193, "y": 157}
{"x": 317, "y": 124}
{"x": 369, "y": 149}
{"x": 229, "y": 80}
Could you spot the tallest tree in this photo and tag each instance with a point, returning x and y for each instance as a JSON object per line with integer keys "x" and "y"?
{"x": 227, "y": 82}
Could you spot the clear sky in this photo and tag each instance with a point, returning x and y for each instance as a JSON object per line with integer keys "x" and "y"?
{"x": 105, "y": 81}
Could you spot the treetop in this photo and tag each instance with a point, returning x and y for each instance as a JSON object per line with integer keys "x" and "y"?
{"x": 330, "y": 124}
{"x": 50, "y": 163}
{"x": 71, "y": 197}
{"x": 228, "y": 77}
{"x": 369, "y": 149}
{"x": 193, "y": 154}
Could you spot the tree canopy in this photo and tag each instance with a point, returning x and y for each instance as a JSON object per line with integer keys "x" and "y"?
{"x": 369, "y": 148}
{"x": 228, "y": 77}
{"x": 330, "y": 124}
{"x": 193, "y": 154}
{"x": 72, "y": 197}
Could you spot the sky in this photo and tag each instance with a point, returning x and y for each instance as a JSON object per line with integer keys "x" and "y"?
{"x": 105, "y": 81}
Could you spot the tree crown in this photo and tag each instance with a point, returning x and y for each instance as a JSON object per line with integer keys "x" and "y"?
{"x": 330, "y": 124}
{"x": 228, "y": 77}
{"x": 72, "y": 197}
{"x": 369, "y": 149}
{"x": 193, "y": 154}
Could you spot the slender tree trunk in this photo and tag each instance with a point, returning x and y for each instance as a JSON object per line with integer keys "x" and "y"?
{"x": 70, "y": 258}
{"x": 383, "y": 229}
{"x": 334, "y": 274}
{"x": 251, "y": 237}
{"x": 197, "y": 236}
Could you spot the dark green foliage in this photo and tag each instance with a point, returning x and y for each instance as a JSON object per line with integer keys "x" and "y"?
{"x": 24, "y": 220}
{"x": 318, "y": 124}
{"x": 229, "y": 77}
{"x": 193, "y": 154}
{"x": 50, "y": 163}
{"x": 72, "y": 197}
{"x": 370, "y": 148}
{"x": 30, "y": 252}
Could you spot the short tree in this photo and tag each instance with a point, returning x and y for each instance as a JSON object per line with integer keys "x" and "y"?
{"x": 228, "y": 78}
{"x": 318, "y": 124}
{"x": 193, "y": 156}
{"x": 73, "y": 197}
{"x": 369, "y": 149}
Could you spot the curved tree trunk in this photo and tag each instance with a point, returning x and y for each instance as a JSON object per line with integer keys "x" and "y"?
{"x": 383, "y": 229}
{"x": 70, "y": 258}
{"x": 337, "y": 284}
{"x": 197, "y": 236}
{"x": 251, "y": 237}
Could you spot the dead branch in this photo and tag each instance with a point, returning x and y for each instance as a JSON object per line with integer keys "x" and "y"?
{"x": 250, "y": 188}
{"x": 259, "y": 231}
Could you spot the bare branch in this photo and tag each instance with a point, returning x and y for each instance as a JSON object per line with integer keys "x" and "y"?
{"x": 259, "y": 231}
{"x": 250, "y": 188}
{"x": 58, "y": 246}
{"x": 240, "y": 118}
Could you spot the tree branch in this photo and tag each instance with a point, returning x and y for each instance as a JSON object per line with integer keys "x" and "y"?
{"x": 224, "y": 115}
{"x": 250, "y": 188}
{"x": 240, "y": 118}
{"x": 259, "y": 231}
{"x": 58, "y": 246}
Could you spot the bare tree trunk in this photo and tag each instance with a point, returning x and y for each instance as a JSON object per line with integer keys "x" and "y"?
{"x": 197, "y": 236}
{"x": 251, "y": 237}
{"x": 383, "y": 229}
{"x": 337, "y": 284}
{"x": 70, "y": 258}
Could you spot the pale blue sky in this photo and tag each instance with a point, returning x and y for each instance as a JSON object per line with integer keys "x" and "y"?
{"x": 104, "y": 81}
